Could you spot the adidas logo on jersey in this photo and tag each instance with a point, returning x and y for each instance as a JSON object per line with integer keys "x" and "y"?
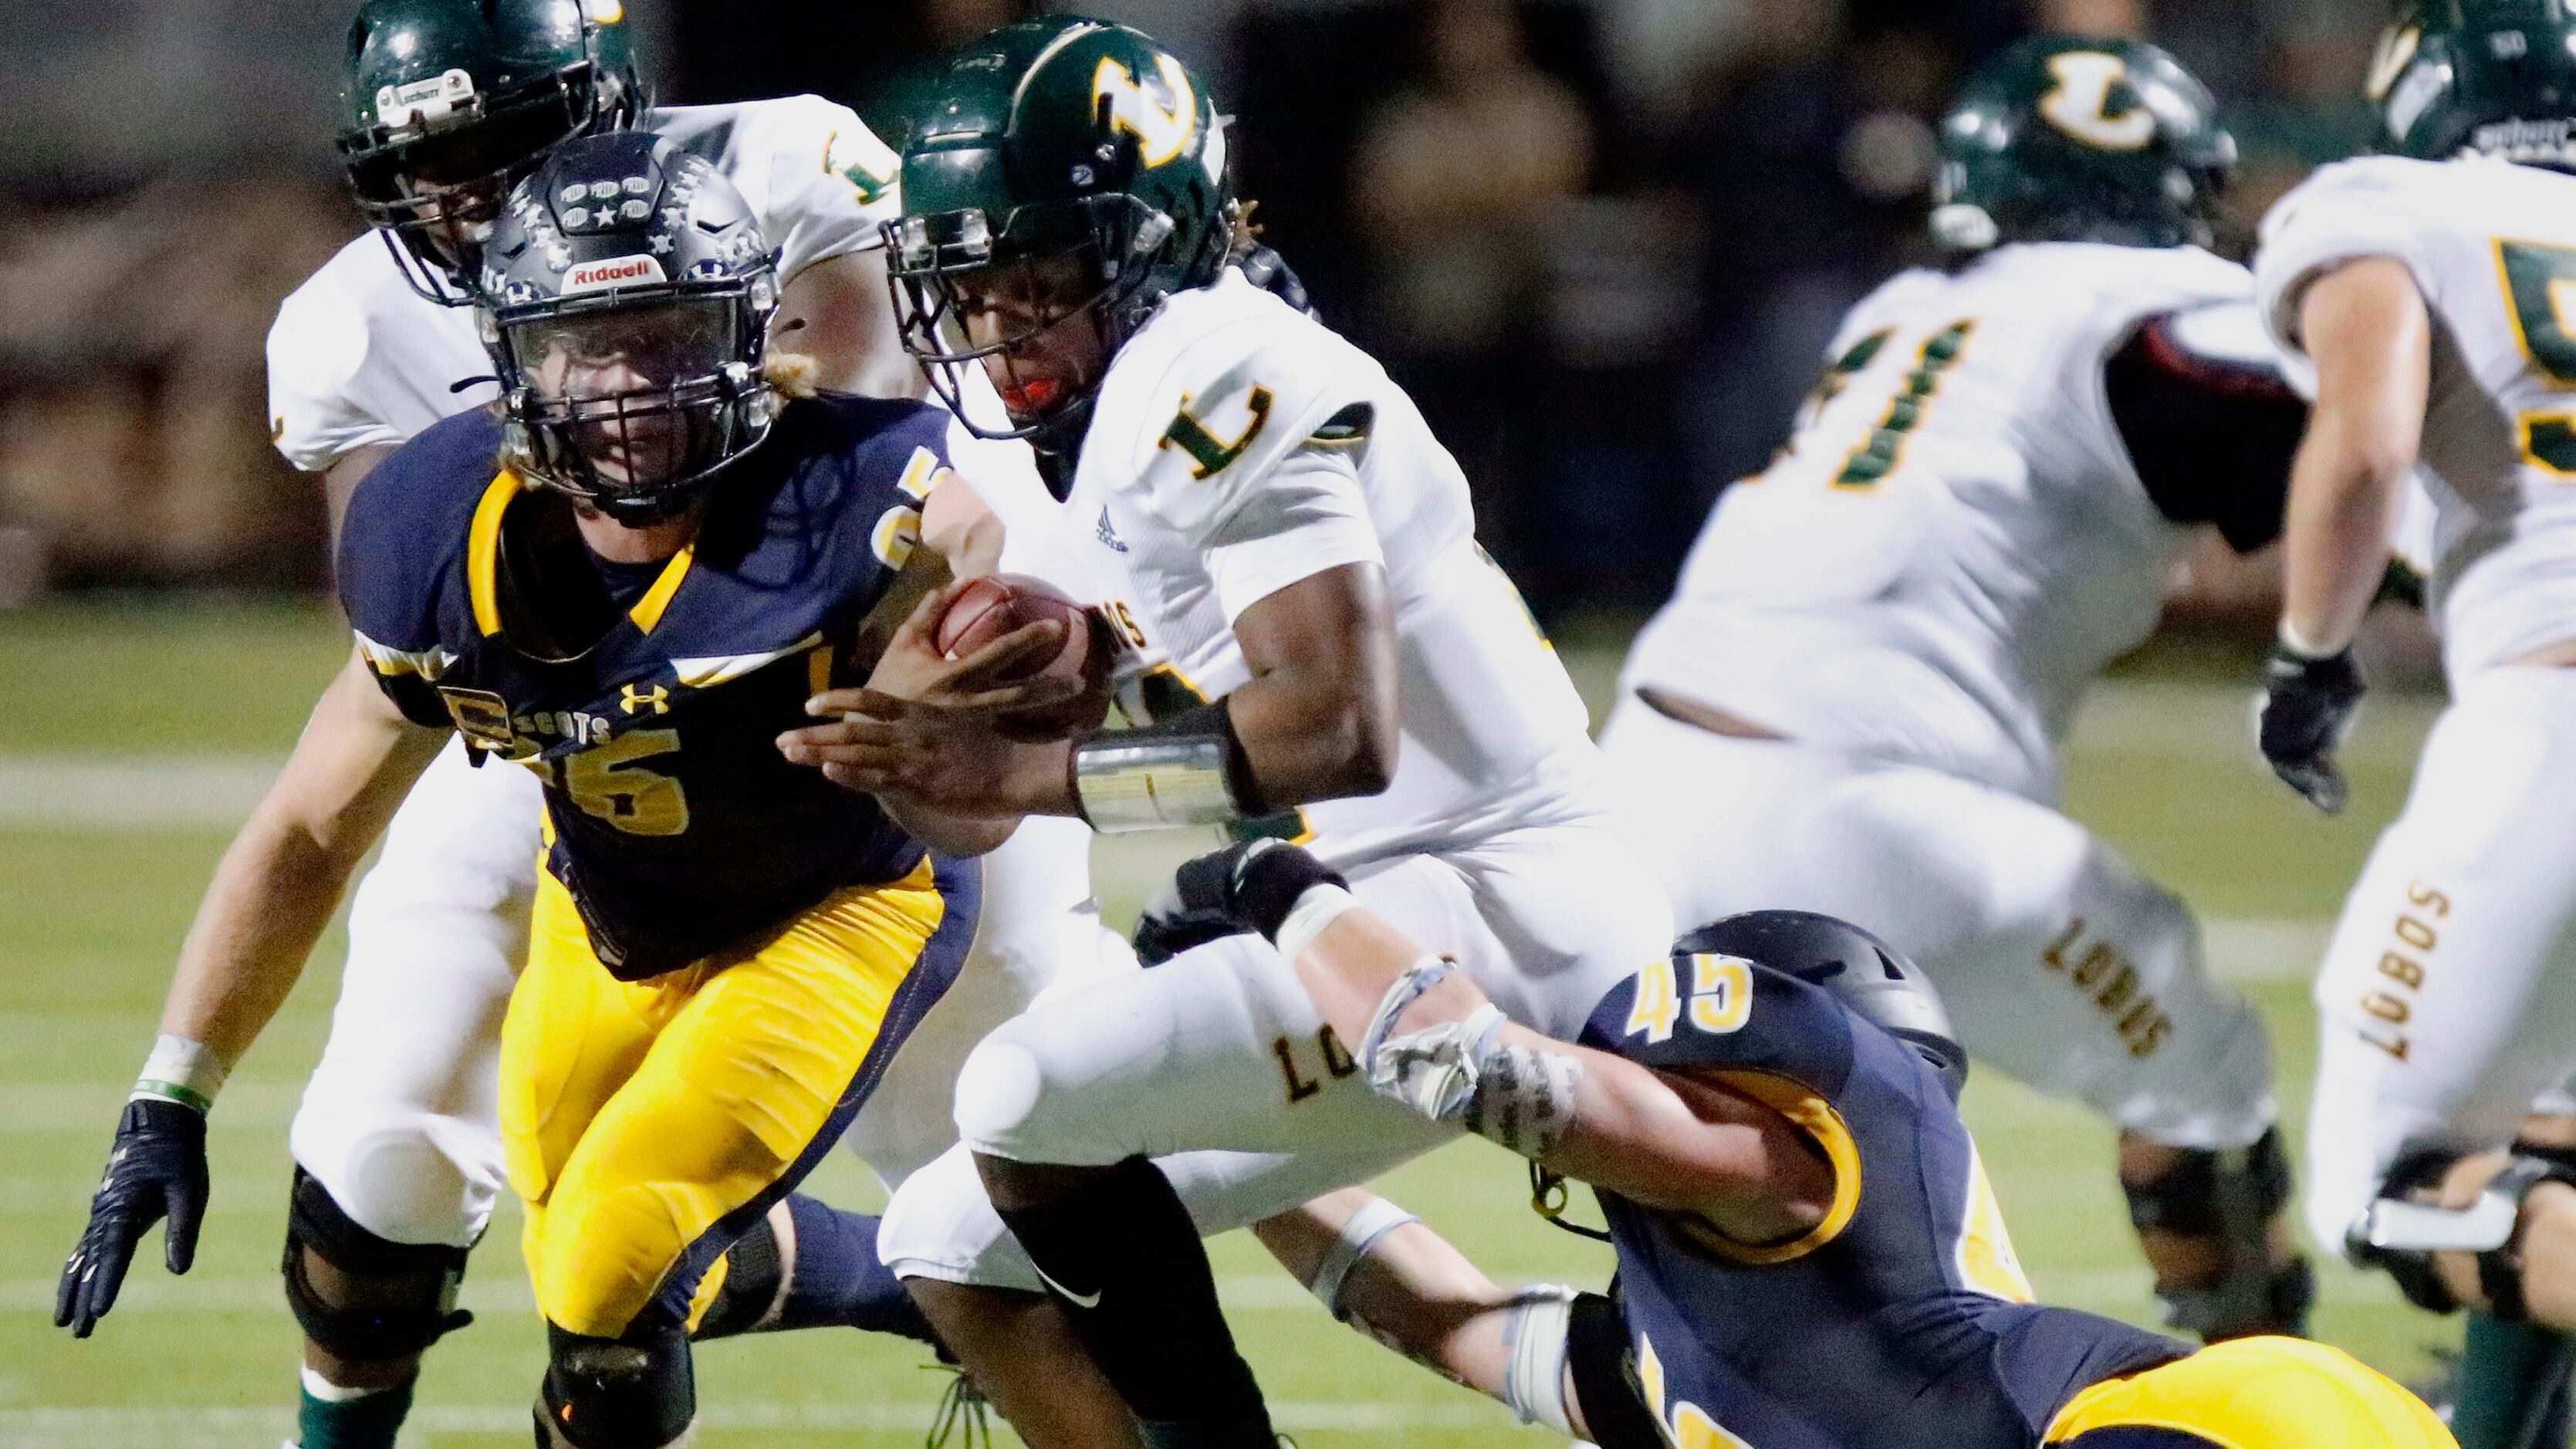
{"x": 1109, "y": 535}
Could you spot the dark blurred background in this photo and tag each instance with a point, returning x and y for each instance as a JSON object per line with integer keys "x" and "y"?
{"x": 1603, "y": 243}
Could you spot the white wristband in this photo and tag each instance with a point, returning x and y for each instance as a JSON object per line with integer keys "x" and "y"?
{"x": 1535, "y": 1338}
{"x": 1358, "y": 1235}
{"x": 1319, "y": 907}
{"x": 182, "y": 1071}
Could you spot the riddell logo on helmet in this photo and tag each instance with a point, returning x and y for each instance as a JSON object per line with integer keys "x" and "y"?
{"x": 614, "y": 272}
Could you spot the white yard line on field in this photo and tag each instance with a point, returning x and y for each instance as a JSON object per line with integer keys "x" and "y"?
{"x": 133, "y": 792}
{"x": 499, "y": 1293}
{"x": 230, "y": 1427}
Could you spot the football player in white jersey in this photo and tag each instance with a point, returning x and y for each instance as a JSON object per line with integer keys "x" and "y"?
{"x": 1321, "y": 648}
{"x": 1854, "y": 702}
{"x": 2422, "y": 293}
{"x": 397, "y": 1142}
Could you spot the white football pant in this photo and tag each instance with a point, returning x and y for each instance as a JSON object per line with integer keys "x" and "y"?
{"x": 2446, "y": 1008}
{"x": 1217, "y": 1063}
{"x": 2059, "y": 963}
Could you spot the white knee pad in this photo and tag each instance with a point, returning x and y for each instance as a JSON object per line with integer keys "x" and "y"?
{"x": 999, "y": 1092}
{"x": 402, "y": 1185}
{"x": 939, "y": 1225}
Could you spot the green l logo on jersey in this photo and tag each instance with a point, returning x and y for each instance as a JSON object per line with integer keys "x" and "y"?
{"x": 1206, "y": 449}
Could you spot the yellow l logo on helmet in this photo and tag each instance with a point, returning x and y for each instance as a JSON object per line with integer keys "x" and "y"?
{"x": 2080, "y": 103}
{"x": 1162, "y": 133}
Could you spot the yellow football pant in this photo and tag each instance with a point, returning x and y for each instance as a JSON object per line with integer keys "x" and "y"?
{"x": 648, "y": 1123}
{"x": 2258, "y": 1393}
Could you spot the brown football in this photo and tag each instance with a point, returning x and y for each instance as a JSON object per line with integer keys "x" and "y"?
{"x": 990, "y": 607}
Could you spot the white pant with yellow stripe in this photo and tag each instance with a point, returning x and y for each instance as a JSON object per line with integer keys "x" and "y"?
{"x": 2446, "y": 1008}
{"x": 1217, "y": 1064}
{"x": 2059, "y": 962}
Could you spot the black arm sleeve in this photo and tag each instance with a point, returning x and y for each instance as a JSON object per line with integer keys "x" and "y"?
{"x": 2212, "y": 438}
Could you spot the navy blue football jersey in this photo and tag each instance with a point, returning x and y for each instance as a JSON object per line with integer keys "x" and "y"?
{"x": 652, "y": 706}
{"x": 1903, "y": 1320}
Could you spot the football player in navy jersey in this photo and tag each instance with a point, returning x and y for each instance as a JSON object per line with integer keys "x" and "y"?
{"x": 628, "y": 578}
{"x": 1809, "y": 1254}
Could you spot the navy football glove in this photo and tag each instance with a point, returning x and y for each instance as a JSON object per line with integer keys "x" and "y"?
{"x": 1247, "y": 887}
{"x": 2308, "y": 708}
{"x": 157, "y": 1167}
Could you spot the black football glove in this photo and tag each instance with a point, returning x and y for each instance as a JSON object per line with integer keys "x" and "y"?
{"x": 1247, "y": 887}
{"x": 2308, "y": 708}
{"x": 157, "y": 1167}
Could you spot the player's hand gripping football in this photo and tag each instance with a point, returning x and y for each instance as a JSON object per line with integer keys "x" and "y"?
{"x": 156, "y": 1168}
{"x": 963, "y": 717}
{"x": 1002, "y": 672}
{"x": 2307, "y": 708}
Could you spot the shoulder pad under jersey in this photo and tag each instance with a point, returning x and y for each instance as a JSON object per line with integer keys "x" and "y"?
{"x": 819, "y": 180}
{"x": 2370, "y": 206}
{"x": 407, "y": 524}
{"x": 1210, "y": 397}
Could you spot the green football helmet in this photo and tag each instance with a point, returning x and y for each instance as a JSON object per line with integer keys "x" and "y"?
{"x": 2484, "y": 77}
{"x": 1071, "y": 165}
{"x": 445, "y": 104}
{"x": 2067, "y": 139}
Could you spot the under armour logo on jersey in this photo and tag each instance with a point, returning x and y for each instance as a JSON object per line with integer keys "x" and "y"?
{"x": 1109, "y": 535}
{"x": 636, "y": 700}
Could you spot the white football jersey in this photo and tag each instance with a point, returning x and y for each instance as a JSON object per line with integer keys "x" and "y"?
{"x": 1955, "y": 540}
{"x": 356, "y": 358}
{"x": 1237, "y": 447}
{"x": 2492, "y": 245}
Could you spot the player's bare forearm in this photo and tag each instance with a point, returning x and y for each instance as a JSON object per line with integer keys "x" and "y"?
{"x": 2366, "y": 325}
{"x": 837, "y": 312}
{"x": 1656, "y": 1139}
{"x": 1318, "y": 719}
{"x": 965, "y": 530}
{"x": 283, "y": 876}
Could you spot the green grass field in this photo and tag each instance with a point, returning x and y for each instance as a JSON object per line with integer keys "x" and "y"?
{"x": 131, "y": 735}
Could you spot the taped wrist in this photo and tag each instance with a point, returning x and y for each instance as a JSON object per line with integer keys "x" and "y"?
{"x": 182, "y": 1071}
{"x": 1187, "y": 770}
{"x": 1362, "y": 1232}
{"x": 1462, "y": 1072}
{"x": 1534, "y": 1348}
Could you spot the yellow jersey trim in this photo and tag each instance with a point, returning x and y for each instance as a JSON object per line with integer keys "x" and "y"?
{"x": 648, "y": 609}
{"x": 1817, "y": 1118}
{"x": 483, "y": 551}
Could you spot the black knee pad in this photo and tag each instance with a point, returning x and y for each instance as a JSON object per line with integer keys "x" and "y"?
{"x": 637, "y": 1392}
{"x": 1605, "y": 1383}
{"x": 401, "y": 1297}
{"x": 2231, "y": 1195}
